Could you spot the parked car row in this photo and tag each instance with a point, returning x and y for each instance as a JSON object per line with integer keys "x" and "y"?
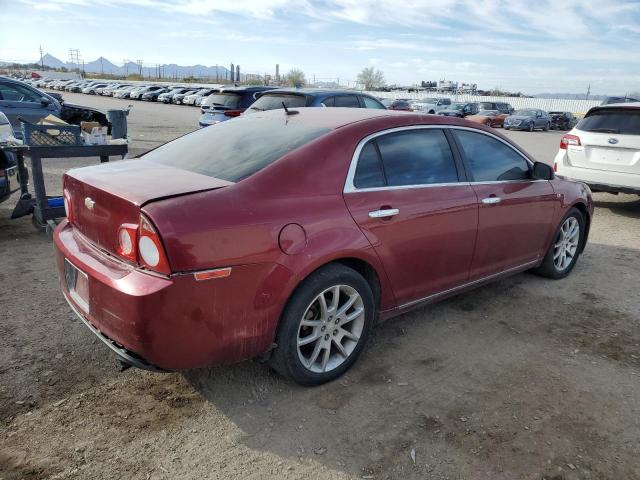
{"x": 221, "y": 103}
{"x": 492, "y": 114}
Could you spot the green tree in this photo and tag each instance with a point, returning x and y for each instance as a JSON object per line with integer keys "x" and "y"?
{"x": 295, "y": 78}
{"x": 371, "y": 78}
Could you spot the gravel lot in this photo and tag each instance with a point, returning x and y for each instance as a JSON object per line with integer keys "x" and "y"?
{"x": 525, "y": 378}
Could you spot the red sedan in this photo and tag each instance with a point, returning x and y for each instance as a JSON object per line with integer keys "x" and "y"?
{"x": 288, "y": 234}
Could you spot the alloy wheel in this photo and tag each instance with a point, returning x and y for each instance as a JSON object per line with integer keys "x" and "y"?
{"x": 566, "y": 245}
{"x": 330, "y": 328}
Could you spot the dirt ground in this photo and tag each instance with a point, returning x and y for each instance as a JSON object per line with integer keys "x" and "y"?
{"x": 526, "y": 378}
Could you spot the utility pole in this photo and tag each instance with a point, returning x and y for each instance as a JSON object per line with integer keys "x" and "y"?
{"x": 588, "y": 91}
{"x": 139, "y": 62}
{"x": 101, "y": 65}
{"x": 41, "y": 59}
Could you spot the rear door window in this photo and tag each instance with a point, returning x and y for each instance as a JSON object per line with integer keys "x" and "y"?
{"x": 410, "y": 157}
{"x": 347, "y": 101}
{"x": 490, "y": 160}
{"x": 612, "y": 120}
{"x": 329, "y": 102}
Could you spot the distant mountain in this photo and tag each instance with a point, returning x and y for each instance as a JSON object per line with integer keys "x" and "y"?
{"x": 51, "y": 61}
{"x": 103, "y": 65}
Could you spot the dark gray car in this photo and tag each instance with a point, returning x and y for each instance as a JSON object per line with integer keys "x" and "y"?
{"x": 18, "y": 100}
{"x": 528, "y": 119}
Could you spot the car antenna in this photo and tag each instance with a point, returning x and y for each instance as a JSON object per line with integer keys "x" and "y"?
{"x": 287, "y": 111}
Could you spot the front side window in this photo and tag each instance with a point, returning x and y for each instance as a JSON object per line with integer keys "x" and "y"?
{"x": 490, "y": 160}
{"x": 410, "y": 157}
{"x": 17, "y": 93}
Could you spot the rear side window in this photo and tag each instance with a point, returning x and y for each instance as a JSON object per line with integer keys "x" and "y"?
{"x": 490, "y": 160}
{"x": 369, "y": 173}
{"x": 372, "y": 103}
{"x": 274, "y": 100}
{"x": 412, "y": 157}
{"x": 227, "y": 152}
{"x": 612, "y": 120}
{"x": 347, "y": 101}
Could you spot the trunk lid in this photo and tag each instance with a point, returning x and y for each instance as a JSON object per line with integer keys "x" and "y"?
{"x": 103, "y": 197}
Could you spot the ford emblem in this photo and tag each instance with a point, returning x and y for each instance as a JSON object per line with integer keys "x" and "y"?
{"x": 613, "y": 141}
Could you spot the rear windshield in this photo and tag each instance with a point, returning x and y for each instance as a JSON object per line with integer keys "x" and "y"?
{"x": 231, "y": 100}
{"x": 610, "y": 120}
{"x": 235, "y": 149}
{"x": 271, "y": 101}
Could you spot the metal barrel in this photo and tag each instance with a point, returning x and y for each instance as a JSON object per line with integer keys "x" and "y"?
{"x": 118, "y": 120}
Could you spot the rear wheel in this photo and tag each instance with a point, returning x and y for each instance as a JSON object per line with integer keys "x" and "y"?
{"x": 531, "y": 127}
{"x": 547, "y": 126}
{"x": 325, "y": 326}
{"x": 565, "y": 248}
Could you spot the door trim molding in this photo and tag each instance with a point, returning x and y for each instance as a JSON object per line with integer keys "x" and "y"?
{"x": 434, "y": 296}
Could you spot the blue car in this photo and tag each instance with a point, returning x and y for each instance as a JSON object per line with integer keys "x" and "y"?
{"x": 292, "y": 98}
{"x": 227, "y": 103}
{"x": 313, "y": 97}
{"x": 528, "y": 119}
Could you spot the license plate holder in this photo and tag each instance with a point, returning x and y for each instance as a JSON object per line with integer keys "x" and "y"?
{"x": 77, "y": 285}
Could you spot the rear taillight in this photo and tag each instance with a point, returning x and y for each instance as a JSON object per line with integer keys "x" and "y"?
{"x": 232, "y": 113}
{"x": 150, "y": 250}
{"x": 141, "y": 244}
{"x": 68, "y": 208}
{"x": 555, "y": 167}
{"x": 128, "y": 241}
{"x": 567, "y": 140}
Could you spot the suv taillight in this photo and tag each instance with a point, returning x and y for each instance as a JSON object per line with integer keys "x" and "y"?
{"x": 233, "y": 113}
{"x": 567, "y": 140}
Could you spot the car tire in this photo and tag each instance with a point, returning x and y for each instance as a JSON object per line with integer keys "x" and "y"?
{"x": 307, "y": 351}
{"x": 555, "y": 263}
{"x": 547, "y": 127}
{"x": 532, "y": 127}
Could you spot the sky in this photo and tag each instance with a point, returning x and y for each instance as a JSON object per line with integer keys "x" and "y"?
{"x": 533, "y": 46}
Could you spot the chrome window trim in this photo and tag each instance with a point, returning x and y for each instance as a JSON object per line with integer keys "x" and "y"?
{"x": 349, "y": 186}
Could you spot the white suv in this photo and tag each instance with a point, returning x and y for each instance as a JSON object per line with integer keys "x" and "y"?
{"x": 603, "y": 150}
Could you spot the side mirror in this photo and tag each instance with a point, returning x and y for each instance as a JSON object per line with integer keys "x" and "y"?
{"x": 542, "y": 171}
{"x": 45, "y": 102}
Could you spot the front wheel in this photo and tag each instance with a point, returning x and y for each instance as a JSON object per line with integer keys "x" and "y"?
{"x": 565, "y": 248}
{"x": 325, "y": 326}
{"x": 531, "y": 127}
